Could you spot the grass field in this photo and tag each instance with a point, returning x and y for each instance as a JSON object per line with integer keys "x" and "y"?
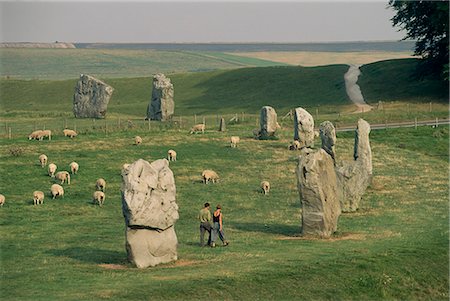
{"x": 394, "y": 247}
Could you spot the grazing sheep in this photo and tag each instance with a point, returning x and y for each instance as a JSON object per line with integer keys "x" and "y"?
{"x": 234, "y": 141}
{"x": 100, "y": 184}
{"x": 52, "y": 169}
{"x": 43, "y": 134}
{"x": 210, "y": 175}
{"x": 57, "y": 190}
{"x": 99, "y": 197}
{"x": 295, "y": 145}
{"x": 63, "y": 176}
{"x": 172, "y": 155}
{"x": 265, "y": 186}
{"x": 2, "y": 200}
{"x": 74, "y": 167}
{"x": 34, "y": 135}
{"x": 198, "y": 128}
{"x": 38, "y": 197}
{"x": 137, "y": 140}
{"x": 70, "y": 133}
{"x": 43, "y": 159}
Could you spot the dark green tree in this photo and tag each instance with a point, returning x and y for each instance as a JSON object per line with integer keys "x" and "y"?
{"x": 426, "y": 22}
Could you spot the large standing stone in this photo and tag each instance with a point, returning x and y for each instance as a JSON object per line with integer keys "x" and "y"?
{"x": 317, "y": 185}
{"x": 161, "y": 106}
{"x": 91, "y": 97}
{"x": 303, "y": 127}
{"x": 354, "y": 177}
{"x": 150, "y": 211}
{"x": 268, "y": 124}
{"x": 328, "y": 137}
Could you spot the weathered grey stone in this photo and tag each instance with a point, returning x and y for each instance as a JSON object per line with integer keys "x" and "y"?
{"x": 222, "y": 126}
{"x": 91, "y": 97}
{"x": 161, "y": 106}
{"x": 268, "y": 124}
{"x": 150, "y": 210}
{"x": 328, "y": 137}
{"x": 317, "y": 186}
{"x": 303, "y": 127}
{"x": 354, "y": 177}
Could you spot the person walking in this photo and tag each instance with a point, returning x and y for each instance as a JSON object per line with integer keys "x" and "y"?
{"x": 218, "y": 227}
{"x": 205, "y": 224}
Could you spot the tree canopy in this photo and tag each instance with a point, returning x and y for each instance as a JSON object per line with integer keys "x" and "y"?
{"x": 427, "y": 22}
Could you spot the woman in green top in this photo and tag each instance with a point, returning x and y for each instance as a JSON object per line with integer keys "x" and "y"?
{"x": 218, "y": 227}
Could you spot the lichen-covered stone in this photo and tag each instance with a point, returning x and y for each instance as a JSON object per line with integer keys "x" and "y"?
{"x": 328, "y": 137}
{"x": 303, "y": 127}
{"x": 91, "y": 97}
{"x": 268, "y": 122}
{"x": 362, "y": 151}
{"x": 317, "y": 186}
{"x": 162, "y": 105}
{"x": 150, "y": 211}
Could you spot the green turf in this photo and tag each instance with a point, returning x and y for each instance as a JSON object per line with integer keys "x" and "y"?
{"x": 394, "y": 248}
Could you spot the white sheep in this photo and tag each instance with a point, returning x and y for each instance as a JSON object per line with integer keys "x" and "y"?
{"x": 43, "y": 134}
{"x": 137, "y": 140}
{"x": 74, "y": 167}
{"x": 43, "y": 160}
{"x": 234, "y": 141}
{"x": 57, "y": 190}
{"x": 265, "y": 186}
{"x": 100, "y": 184}
{"x": 172, "y": 155}
{"x": 63, "y": 176}
{"x": 125, "y": 166}
{"x": 295, "y": 145}
{"x": 69, "y": 133}
{"x": 34, "y": 135}
{"x": 198, "y": 128}
{"x": 52, "y": 169}
{"x": 2, "y": 200}
{"x": 99, "y": 197}
{"x": 210, "y": 175}
{"x": 38, "y": 197}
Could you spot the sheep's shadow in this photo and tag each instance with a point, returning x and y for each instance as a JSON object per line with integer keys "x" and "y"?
{"x": 280, "y": 229}
{"x": 91, "y": 255}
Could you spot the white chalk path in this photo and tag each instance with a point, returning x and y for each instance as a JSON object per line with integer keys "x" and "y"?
{"x": 353, "y": 90}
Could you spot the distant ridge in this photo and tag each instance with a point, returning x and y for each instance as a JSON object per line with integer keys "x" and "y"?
{"x": 37, "y": 45}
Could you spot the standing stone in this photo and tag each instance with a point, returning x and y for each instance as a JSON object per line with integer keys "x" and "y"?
{"x": 268, "y": 122}
{"x": 354, "y": 177}
{"x": 317, "y": 185}
{"x": 222, "y": 125}
{"x": 150, "y": 211}
{"x": 328, "y": 137}
{"x": 303, "y": 127}
{"x": 91, "y": 97}
{"x": 161, "y": 106}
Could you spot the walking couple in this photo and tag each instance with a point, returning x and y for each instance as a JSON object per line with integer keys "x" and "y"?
{"x": 213, "y": 231}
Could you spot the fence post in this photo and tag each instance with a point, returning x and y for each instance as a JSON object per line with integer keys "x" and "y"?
{"x": 9, "y": 133}
{"x": 415, "y": 123}
{"x": 437, "y": 122}
{"x": 119, "y": 123}
{"x": 75, "y": 126}
{"x": 243, "y": 116}
{"x": 204, "y": 120}
{"x": 430, "y": 106}
{"x": 149, "y": 125}
{"x": 195, "y": 118}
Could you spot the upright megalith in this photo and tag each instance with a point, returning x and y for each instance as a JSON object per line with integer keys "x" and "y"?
{"x": 317, "y": 185}
{"x": 150, "y": 211}
{"x": 91, "y": 97}
{"x": 328, "y": 137}
{"x": 161, "y": 106}
{"x": 355, "y": 176}
{"x": 268, "y": 124}
{"x": 303, "y": 127}
{"x": 222, "y": 126}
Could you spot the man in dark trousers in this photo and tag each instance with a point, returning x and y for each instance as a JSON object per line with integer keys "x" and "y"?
{"x": 205, "y": 224}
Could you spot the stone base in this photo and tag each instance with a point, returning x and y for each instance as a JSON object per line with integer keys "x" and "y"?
{"x": 147, "y": 247}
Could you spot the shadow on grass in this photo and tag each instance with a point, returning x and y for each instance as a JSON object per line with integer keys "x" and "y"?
{"x": 92, "y": 255}
{"x": 279, "y": 229}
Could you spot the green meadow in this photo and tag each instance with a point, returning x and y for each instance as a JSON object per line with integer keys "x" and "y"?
{"x": 395, "y": 247}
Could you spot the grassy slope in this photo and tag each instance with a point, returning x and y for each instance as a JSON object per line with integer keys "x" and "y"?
{"x": 59, "y": 64}
{"x": 395, "y": 247}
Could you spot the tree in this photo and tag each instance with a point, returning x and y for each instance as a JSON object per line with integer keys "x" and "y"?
{"x": 426, "y": 22}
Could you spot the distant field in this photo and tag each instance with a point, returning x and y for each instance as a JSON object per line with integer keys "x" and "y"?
{"x": 304, "y": 58}
{"x": 113, "y": 63}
